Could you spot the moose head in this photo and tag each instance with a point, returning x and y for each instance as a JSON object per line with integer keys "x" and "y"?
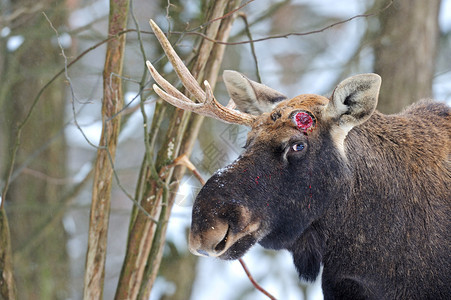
{"x": 331, "y": 180}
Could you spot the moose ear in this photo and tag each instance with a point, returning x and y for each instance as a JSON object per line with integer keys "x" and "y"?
{"x": 354, "y": 100}
{"x": 250, "y": 96}
{"x": 352, "y": 103}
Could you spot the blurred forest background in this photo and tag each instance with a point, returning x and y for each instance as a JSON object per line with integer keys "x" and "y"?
{"x": 83, "y": 136}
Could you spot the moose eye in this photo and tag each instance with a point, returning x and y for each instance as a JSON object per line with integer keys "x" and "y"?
{"x": 295, "y": 149}
{"x": 298, "y": 147}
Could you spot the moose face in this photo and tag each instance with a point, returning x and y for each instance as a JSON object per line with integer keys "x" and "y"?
{"x": 292, "y": 171}
{"x": 274, "y": 190}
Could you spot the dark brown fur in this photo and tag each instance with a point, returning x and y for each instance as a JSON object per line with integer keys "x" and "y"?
{"x": 375, "y": 213}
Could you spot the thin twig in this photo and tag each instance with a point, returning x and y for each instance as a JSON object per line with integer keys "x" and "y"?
{"x": 257, "y": 286}
{"x": 183, "y": 160}
{"x": 254, "y": 54}
{"x": 47, "y": 178}
{"x": 142, "y": 84}
{"x": 66, "y": 76}
{"x": 267, "y": 13}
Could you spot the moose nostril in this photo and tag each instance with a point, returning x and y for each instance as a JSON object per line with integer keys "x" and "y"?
{"x": 221, "y": 245}
{"x": 202, "y": 252}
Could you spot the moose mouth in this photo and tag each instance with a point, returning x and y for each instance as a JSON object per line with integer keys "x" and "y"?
{"x": 239, "y": 248}
{"x": 223, "y": 242}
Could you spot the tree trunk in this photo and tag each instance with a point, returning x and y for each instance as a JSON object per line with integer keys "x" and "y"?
{"x": 41, "y": 269}
{"x": 7, "y": 283}
{"x": 103, "y": 172}
{"x": 406, "y": 51}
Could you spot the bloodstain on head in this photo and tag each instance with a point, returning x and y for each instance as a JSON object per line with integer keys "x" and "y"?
{"x": 304, "y": 120}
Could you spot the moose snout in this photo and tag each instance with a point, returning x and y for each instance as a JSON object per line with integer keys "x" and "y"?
{"x": 211, "y": 241}
{"x": 215, "y": 237}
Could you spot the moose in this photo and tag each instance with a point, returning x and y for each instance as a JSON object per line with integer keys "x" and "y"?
{"x": 333, "y": 181}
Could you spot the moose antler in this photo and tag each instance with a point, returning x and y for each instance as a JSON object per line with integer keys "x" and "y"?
{"x": 208, "y": 105}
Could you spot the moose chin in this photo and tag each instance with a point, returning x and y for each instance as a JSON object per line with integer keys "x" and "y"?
{"x": 333, "y": 181}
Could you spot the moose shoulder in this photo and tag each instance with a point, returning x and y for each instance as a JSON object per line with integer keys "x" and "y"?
{"x": 333, "y": 181}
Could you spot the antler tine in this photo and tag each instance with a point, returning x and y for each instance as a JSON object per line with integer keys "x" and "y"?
{"x": 182, "y": 71}
{"x": 165, "y": 84}
{"x": 185, "y": 105}
{"x": 208, "y": 105}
